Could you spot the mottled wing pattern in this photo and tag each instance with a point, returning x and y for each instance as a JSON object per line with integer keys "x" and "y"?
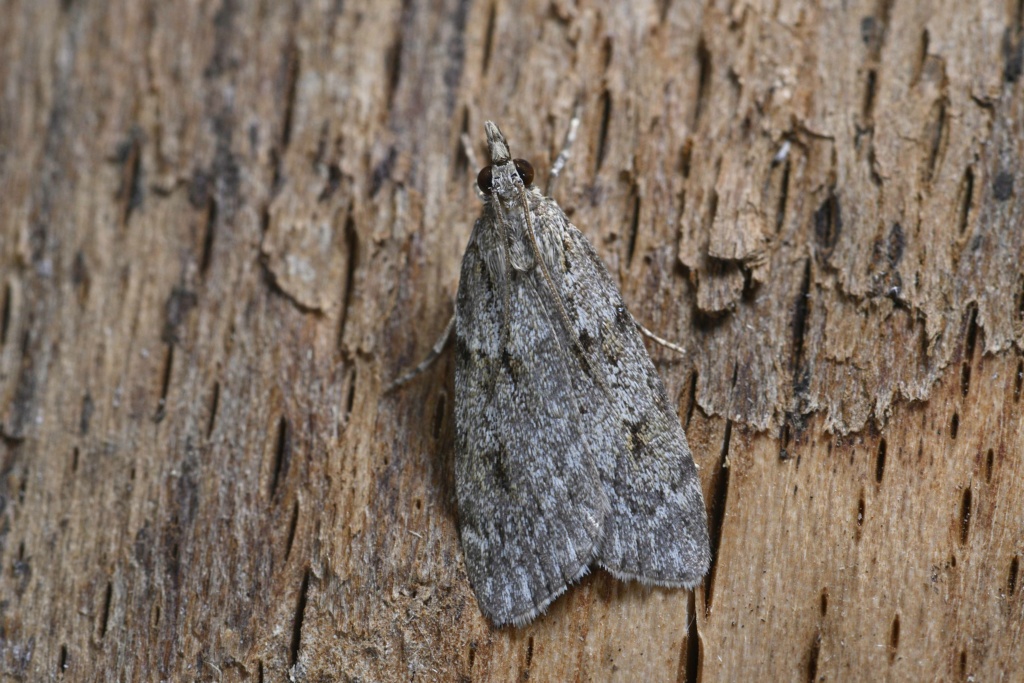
{"x": 656, "y": 531}
{"x": 532, "y": 508}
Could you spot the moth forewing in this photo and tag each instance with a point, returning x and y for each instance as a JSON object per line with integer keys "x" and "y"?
{"x": 568, "y": 451}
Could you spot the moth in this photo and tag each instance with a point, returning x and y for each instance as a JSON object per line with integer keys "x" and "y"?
{"x": 569, "y": 453}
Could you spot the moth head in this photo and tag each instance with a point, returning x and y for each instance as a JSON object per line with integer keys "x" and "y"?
{"x": 506, "y": 178}
{"x": 523, "y": 169}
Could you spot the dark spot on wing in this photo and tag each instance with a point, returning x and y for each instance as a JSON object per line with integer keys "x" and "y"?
{"x": 622, "y": 318}
{"x": 485, "y": 275}
{"x": 637, "y": 434}
{"x": 585, "y": 367}
{"x": 645, "y": 503}
{"x": 462, "y": 352}
{"x": 512, "y": 365}
{"x": 642, "y": 501}
{"x": 499, "y": 474}
{"x": 657, "y": 391}
{"x": 586, "y": 341}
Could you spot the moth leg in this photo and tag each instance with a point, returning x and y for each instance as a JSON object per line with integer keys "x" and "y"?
{"x": 435, "y": 351}
{"x": 467, "y": 149}
{"x": 563, "y": 156}
{"x": 664, "y": 342}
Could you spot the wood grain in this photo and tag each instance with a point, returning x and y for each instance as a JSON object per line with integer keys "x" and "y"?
{"x": 226, "y": 226}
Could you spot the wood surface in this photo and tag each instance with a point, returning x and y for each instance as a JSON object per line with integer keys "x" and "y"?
{"x": 225, "y": 226}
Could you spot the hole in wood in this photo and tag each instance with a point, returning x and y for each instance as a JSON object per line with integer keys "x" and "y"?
{"x": 716, "y": 518}
{"x": 894, "y": 639}
{"x": 442, "y": 399}
{"x": 282, "y": 452}
{"x": 784, "y": 438}
{"x": 703, "y": 80}
{"x": 971, "y": 338}
{"x": 460, "y": 157}
{"x": 5, "y": 314}
{"x": 828, "y": 224}
{"x": 812, "y": 659}
{"x": 880, "y": 460}
{"x": 939, "y": 129}
{"x": 489, "y": 38}
{"x": 869, "y": 95}
{"x": 80, "y": 277}
{"x": 351, "y": 263}
{"x": 1011, "y": 577}
{"x": 716, "y": 266}
{"x": 990, "y": 461}
{"x": 602, "y": 131}
{"x": 692, "y": 642}
{"x": 966, "y": 198}
{"x": 211, "y": 222}
{"x": 801, "y": 320}
{"x": 165, "y": 384}
{"x": 334, "y": 178}
{"x": 300, "y": 611}
{"x": 265, "y": 212}
{"x": 292, "y": 65}
{"x": 780, "y": 210}
{"x": 692, "y": 404}
{"x": 686, "y": 158}
{"x": 1018, "y": 381}
{"x": 130, "y": 193}
{"x": 86, "y": 416}
{"x": 954, "y": 426}
{"x": 214, "y": 405}
{"x": 860, "y": 517}
{"x": 292, "y": 526}
{"x": 965, "y": 515}
{"x": 393, "y": 60}
{"x": 351, "y": 397}
{"x": 1020, "y": 297}
{"x": 105, "y": 611}
{"x": 922, "y": 55}
{"x": 634, "y": 227}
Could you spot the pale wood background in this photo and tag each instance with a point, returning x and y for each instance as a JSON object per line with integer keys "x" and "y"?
{"x": 224, "y": 226}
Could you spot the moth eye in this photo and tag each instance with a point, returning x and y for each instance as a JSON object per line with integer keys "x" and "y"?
{"x": 483, "y": 180}
{"x": 525, "y": 171}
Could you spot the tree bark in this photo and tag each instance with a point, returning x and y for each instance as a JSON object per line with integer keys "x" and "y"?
{"x": 226, "y": 226}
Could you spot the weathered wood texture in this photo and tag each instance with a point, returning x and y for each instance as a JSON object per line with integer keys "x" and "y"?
{"x": 224, "y": 226}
